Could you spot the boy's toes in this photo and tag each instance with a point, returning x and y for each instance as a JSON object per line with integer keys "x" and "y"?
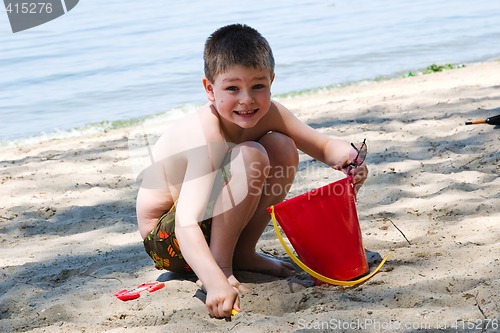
{"x": 287, "y": 269}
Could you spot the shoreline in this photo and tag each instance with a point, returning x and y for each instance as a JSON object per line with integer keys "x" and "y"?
{"x": 104, "y": 126}
{"x": 69, "y": 236}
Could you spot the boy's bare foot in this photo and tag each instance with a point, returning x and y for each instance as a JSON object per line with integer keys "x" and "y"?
{"x": 263, "y": 264}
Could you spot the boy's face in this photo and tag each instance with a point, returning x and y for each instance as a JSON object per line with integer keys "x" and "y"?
{"x": 241, "y": 95}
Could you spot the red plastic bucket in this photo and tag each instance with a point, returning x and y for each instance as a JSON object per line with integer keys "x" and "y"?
{"x": 322, "y": 226}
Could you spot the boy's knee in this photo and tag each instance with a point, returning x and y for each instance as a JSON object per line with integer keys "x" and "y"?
{"x": 255, "y": 157}
{"x": 281, "y": 149}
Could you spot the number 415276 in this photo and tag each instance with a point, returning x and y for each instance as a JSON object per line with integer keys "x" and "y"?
{"x": 29, "y": 8}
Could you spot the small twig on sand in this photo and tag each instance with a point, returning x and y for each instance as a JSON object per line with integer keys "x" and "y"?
{"x": 469, "y": 162}
{"x": 101, "y": 278}
{"x": 395, "y": 226}
{"x": 478, "y": 306}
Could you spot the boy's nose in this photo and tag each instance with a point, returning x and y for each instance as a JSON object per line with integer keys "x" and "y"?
{"x": 246, "y": 99}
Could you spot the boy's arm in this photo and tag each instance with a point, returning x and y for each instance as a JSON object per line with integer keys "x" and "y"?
{"x": 334, "y": 152}
{"x": 331, "y": 151}
{"x": 221, "y": 296}
{"x": 190, "y": 210}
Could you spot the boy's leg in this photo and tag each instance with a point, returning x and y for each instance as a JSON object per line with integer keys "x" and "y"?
{"x": 261, "y": 175}
{"x": 238, "y": 200}
{"x": 283, "y": 160}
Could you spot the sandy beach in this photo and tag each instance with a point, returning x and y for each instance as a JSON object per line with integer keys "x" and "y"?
{"x": 69, "y": 239}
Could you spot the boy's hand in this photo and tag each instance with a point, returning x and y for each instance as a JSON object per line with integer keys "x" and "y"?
{"x": 221, "y": 300}
{"x": 359, "y": 175}
{"x": 355, "y": 166}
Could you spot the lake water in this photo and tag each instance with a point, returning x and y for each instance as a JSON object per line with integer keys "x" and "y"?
{"x": 114, "y": 60}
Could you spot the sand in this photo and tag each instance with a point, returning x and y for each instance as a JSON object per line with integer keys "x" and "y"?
{"x": 69, "y": 238}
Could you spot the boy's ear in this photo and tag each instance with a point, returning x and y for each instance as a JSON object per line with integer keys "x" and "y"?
{"x": 209, "y": 88}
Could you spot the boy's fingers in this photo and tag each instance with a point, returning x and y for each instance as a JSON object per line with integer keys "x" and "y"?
{"x": 216, "y": 309}
{"x": 212, "y": 312}
{"x": 236, "y": 305}
{"x": 360, "y": 175}
{"x": 226, "y": 308}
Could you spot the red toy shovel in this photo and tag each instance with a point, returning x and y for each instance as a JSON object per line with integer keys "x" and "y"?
{"x": 127, "y": 295}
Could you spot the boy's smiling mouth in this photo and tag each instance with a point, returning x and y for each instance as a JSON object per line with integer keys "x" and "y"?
{"x": 246, "y": 112}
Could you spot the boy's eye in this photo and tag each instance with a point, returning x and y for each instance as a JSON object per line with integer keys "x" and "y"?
{"x": 258, "y": 86}
{"x": 232, "y": 88}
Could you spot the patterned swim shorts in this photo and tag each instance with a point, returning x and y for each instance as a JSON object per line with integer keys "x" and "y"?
{"x": 162, "y": 246}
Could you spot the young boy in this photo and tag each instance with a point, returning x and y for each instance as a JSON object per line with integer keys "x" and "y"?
{"x": 202, "y": 204}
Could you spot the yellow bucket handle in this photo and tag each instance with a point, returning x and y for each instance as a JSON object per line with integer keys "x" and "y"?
{"x": 314, "y": 273}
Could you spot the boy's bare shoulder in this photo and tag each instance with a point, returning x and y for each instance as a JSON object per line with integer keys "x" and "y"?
{"x": 279, "y": 107}
{"x": 277, "y": 115}
{"x": 193, "y": 130}
{"x": 278, "y": 110}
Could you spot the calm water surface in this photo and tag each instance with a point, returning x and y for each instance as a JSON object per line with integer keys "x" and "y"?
{"x": 118, "y": 60}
